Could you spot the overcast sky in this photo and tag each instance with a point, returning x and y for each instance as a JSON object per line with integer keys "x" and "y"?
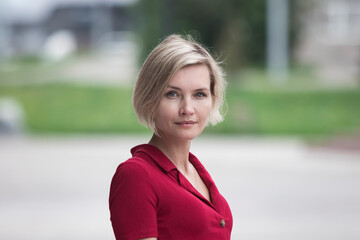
{"x": 26, "y": 5}
{"x": 25, "y": 9}
{"x": 35, "y": 9}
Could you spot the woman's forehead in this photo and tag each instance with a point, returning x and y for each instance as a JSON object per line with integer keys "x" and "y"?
{"x": 194, "y": 76}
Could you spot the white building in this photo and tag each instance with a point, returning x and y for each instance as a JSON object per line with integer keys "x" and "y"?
{"x": 26, "y": 25}
{"x": 330, "y": 40}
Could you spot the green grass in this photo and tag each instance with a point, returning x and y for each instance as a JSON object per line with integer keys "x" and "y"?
{"x": 294, "y": 113}
{"x": 65, "y": 108}
{"x": 69, "y": 108}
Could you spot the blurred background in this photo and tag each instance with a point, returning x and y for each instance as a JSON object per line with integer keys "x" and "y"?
{"x": 291, "y": 132}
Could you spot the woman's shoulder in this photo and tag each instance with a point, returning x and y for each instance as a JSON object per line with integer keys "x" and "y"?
{"x": 133, "y": 171}
{"x": 141, "y": 160}
{"x": 134, "y": 166}
{"x": 133, "y": 175}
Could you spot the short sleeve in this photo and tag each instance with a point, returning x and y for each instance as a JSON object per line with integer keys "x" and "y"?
{"x": 132, "y": 203}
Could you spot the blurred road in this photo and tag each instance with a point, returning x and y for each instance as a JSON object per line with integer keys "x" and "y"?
{"x": 56, "y": 188}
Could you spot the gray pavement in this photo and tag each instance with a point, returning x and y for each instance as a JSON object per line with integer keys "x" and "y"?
{"x": 57, "y": 187}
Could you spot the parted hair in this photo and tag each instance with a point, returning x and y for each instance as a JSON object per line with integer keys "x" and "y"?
{"x": 172, "y": 54}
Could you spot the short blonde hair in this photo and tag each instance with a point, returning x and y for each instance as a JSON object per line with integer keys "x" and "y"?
{"x": 172, "y": 54}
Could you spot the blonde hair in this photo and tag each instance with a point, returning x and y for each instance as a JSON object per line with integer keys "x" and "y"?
{"x": 172, "y": 54}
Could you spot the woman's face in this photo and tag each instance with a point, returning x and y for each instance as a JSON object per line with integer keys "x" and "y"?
{"x": 185, "y": 107}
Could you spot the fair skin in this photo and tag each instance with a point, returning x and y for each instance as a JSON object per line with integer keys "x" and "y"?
{"x": 182, "y": 115}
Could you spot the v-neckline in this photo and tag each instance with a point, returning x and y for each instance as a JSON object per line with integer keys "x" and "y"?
{"x": 202, "y": 182}
{"x": 168, "y": 166}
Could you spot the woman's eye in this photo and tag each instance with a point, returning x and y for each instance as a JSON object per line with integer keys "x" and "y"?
{"x": 171, "y": 94}
{"x": 200, "y": 95}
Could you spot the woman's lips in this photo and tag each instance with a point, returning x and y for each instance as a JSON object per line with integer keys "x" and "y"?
{"x": 186, "y": 123}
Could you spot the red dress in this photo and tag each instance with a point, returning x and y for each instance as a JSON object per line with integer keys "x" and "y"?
{"x": 149, "y": 197}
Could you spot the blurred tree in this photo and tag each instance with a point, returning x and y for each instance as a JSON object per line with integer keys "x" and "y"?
{"x": 235, "y": 29}
{"x": 148, "y": 13}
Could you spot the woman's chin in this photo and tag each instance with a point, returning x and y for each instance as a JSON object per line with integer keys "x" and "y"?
{"x": 187, "y": 136}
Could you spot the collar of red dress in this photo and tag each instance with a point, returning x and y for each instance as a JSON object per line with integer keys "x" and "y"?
{"x": 160, "y": 158}
{"x": 165, "y": 163}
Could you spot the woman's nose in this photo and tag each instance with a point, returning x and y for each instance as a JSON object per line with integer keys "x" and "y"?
{"x": 186, "y": 107}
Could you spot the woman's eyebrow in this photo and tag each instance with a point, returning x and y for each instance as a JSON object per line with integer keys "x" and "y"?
{"x": 202, "y": 89}
{"x": 199, "y": 89}
{"x": 173, "y": 87}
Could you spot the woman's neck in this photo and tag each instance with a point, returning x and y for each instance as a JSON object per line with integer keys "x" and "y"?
{"x": 176, "y": 151}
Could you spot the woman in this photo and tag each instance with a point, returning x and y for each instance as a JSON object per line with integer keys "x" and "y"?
{"x": 163, "y": 191}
